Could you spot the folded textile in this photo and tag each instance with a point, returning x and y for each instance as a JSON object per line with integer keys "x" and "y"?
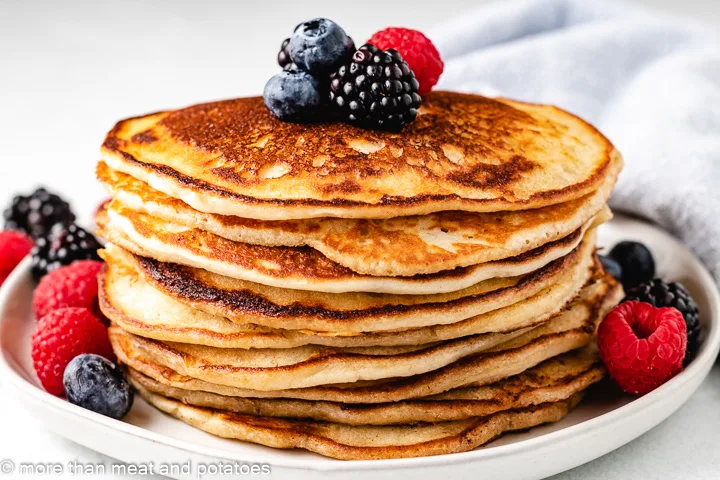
{"x": 649, "y": 81}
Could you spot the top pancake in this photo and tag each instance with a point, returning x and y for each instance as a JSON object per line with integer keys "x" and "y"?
{"x": 464, "y": 152}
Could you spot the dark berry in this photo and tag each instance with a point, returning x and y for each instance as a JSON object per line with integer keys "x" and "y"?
{"x": 97, "y": 384}
{"x": 636, "y": 262}
{"x": 375, "y": 89}
{"x": 293, "y": 95}
{"x": 283, "y": 57}
{"x": 319, "y": 46}
{"x": 37, "y": 213}
{"x": 39, "y": 258}
{"x": 63, "y": 246}
{"x": 611, "y": 266}
{"x": 659, "y": 293}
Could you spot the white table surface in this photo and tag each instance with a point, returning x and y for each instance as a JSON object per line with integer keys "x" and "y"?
{"x": 69, "y": 70}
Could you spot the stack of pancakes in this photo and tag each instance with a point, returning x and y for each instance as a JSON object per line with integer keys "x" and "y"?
{"x": 359, "y": 294}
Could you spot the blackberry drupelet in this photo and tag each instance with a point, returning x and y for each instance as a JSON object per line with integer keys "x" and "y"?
{"x": 659, "y": 293}
{"x": 64, "y": 245}
{"x": 375, "y": 89}
{"x": 37, "y": 213}
{"x": 283, "y": 57}
{"x": 39, "y": 258}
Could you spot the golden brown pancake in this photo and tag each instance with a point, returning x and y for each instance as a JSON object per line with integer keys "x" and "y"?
{"x": 360, "y": 294}
{"x": 400, "y": 246}
{"x": 552, "y": 381}
{"x": 296, "y": 371}
{"x": 348, "y": 442}
{"x": 300, "y": 268}
{"x": 311, "y": 365}
{"x": 529, "y": 350}
{"x": 464, "y": 152}
{"x": 246, "y": 302}
{"x": 132, "y": 303}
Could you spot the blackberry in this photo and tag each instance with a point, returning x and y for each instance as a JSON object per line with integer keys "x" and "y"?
{"x": 37, "y": 213}
{"x": 376, "y": 89}
{"x": 659, "y": 293}
{"x": 283, "y": 57}
{"x": 64, "y": 245}
{"x": 39, "y": 258}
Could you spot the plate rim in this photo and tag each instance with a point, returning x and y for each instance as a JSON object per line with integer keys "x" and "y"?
{"x": 703, "y": 361}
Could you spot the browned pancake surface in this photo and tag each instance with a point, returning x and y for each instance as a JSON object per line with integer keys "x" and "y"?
{"x": 464, "y": 152}
{"x": 245, "y": 302}
{"x": 552, "y": 381}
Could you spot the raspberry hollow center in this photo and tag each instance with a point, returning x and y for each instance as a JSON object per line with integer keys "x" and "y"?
{"x": 642, "y": 330}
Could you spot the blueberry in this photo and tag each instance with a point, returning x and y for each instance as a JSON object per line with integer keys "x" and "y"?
{"x": 319, "y": 46}
{"x": 293, "y": 95}
{"x": 636, "y": 262}
{"x": 97, "y": 384}
{"x": 611, "y": 266}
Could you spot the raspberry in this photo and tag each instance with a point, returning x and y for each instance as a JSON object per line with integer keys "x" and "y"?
{"x": 75, "y": 285}
{"x": 642, "y": 346}
{"x": 660, "y": 293}
{"x": 62, "y": 335}
{"x": 14, "y": 246}
{"x": 416, "y": 49}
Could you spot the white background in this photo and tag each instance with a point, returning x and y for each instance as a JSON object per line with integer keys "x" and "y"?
{"x": 70, "y": 69}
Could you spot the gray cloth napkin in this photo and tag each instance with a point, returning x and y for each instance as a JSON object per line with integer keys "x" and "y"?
{"x": 650, "y": 82}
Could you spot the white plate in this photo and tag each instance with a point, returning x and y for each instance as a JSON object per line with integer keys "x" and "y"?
{"x": 599, "y": 425}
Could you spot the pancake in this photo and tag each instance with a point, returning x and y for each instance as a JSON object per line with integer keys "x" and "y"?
{"x": 292, "y": 376}
{"x": 464, "y": 152}
{"x": 554, "y": 380}
{"x": 402, "y": 246}
{"x": 349, "y": 442}
{"x": 547, "y": 341}
{"x": 310, "y": 365}
{"x": 133, "y": 304}
{"x": 245, "y": 302}
{"x": 299, "y": 268}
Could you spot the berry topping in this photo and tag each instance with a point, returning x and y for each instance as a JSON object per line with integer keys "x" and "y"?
{"x": 14, "y": 246}
{"x": 636, "y": 262}
{"x": 283, "y": 57}
{"x": 62, "y": 335}
{"x": 417, "y": 50}
{"x": 662, "y": 294}
{"x": 376, "y": 89}
{"x": 97, "y": 384}
{"x": 319, "y": 46}
{"x": 74, "y": 285}
{"x": 293, "y": 96}
{"x": 64, "y": 246}
{"x": 37, "y": 213}
{"x": 611, "y": 266}
{"x": 642, "y": 346}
